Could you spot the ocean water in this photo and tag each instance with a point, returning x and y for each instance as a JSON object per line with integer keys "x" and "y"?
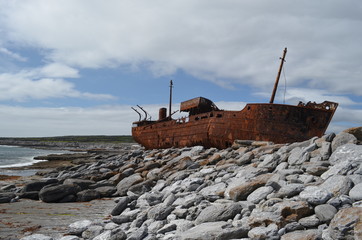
{"x": 12, "y": 156}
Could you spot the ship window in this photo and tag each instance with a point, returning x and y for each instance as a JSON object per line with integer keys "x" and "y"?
{"x": 211, "y": 114}
{"x": 248, "y": 107}
{"x": 234, "y": 115}
{"x": 203, "y": 117}
{"x": 219, "y": 115}
{"x": 196, "y": 118}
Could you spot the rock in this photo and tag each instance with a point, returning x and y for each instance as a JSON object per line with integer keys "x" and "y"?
{"x": 138, "y": 234}
{"x": 337, "y": 185}
{"x": 213, "y": 230}
{"x": 268, "y": 232}
{"x": 325, "y": 212}
{"x": 70, "y": 237}
{"x": 346, "y": 224}
{"x": 55, "y": 193}
{"x": 289, "y": 190}
{"x": 356, "y": 131}
{"x": 83, "y": 184}
{"x": 120, "y": 207}
{"x": 106, "y": 191}
{"x": 242, "y": 191}
{"x": 356, "y": 192}
{"x": 341, "y": 139}
{"x": 218, "y": 212}
{"x": 344, "y": 159}
{"x": 92, "y": 231}
{"x": 6, "y": 197}
{"x": 88, "y": 195}
{"x": 160, "y": 212}
{"x": 38, "y": 185}
{"x": 77, "y": 228}
{"x": 37, "y": 237}
{"x": 259, "y": 194}
{"x": 315, "y": 195}
{"x": 312, "y": 234}
{"x": 310, "y": 221}
{"x": 142, "y": 187}
{"x": 126, "y": 183}
{"x": 103, "y": 236}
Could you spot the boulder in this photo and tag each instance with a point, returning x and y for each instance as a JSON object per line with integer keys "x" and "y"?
{"x": 346, "y": 224}
{"x": 341, "y": 139}
{"x": 126, "y": 183}
{"x": 356, "y": 192}
{"x": 325, "y": 212}
{"x": 218, "y": 212}
{"x": 268, "y": 232}
{"x": 6, "y": 197}
{"x": 38, "y": 185}
{"x": 356, "y": 131}
{"x": 88, "y": 195}
{"x": 82, "y": 183}
{"x": 337, "y": 185}
{"x": 121, "y": 205}
{"x": 312, "y": 234}
{"x": 37, "y": 237}
{"x": 56, "y": 193}
{"x": 213, "y": 230}
{"x": 315, "y": 195}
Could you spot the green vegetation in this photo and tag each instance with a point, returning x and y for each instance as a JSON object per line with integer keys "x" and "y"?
{"x": 95, "y": 139}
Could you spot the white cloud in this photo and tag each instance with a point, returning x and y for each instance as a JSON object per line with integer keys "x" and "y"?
{"x": 42, "y": 83}
{"x": 237, "y": 41}
{"x": 12, "y": 55}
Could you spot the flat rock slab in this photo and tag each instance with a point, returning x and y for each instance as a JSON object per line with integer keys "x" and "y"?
{"x": 51, "y": 219}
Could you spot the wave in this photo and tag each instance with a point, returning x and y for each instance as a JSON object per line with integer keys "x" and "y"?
{"x": 23, "y": 164}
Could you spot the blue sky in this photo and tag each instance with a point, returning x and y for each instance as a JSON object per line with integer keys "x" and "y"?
{"x": 76, "y": 67}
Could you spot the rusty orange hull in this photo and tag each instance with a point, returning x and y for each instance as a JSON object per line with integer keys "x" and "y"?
{"x": 277, "y": 123}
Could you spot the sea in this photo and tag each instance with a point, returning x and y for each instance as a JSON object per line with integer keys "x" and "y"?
{"x": 13, "y": 156}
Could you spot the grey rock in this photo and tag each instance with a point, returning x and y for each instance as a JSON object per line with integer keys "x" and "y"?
{"x": 155, "y": 226}
{"x": 106, "y": 191}
{"x": 325, "y": 212}
{"x": 213, "y": 230}
{"x": 38, "y": 185}
{"x": 310, "y": 221}
{"x": 88, "y": 195}
{"x": 121, "y": 205}
{"x": 346, "y": 224}
{"x": 82, "y": 183}
{"x": 259, "y": 194}
{"x": 215, "y": 189}
{"x": 92, "y": 231}
{"x": 138, "y": 234}
{"x": 341, "y": 139}
{"x": 103, "y": 236}
{"x": 268, "y": 232}
{"x": 348, "y": 152}
{"x": 6, "y": 197}
{"x": 160, "y": 212}
{"x": 167, "y": 228}
{"x": 315, "y": 195}
{"x": 37, "y": 237}
{"x": 218, "y": 212}
{"x": 270, "y": 162}
{"x": 356, "y": 192}
{"x": 118, "y": 234}
{"x": 70, "y": 237}
{"x": 311, "y": 234}
{"x": 326, "y": 150}
{"x": 289, "y": 190}
{"x": 126, "y": 183}
{"x": 77, "y": 228}
{"x": 55, "y": 193}
{"x": 142, "y": 187}
{"x": 337, "y": 184}
{"x": 188, "y": 200}
{"x": 120, "y": 219}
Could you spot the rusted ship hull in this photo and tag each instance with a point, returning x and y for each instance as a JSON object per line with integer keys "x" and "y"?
{"x": 278, "y": 123}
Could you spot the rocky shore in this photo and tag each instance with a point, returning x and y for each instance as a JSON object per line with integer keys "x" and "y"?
{"x": 253, "y": 190}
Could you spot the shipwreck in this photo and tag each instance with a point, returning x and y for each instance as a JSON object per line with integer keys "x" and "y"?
{"x": 209, "y": 126}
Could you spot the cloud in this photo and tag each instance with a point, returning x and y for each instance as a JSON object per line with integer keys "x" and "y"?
{"x": 12, "y": 54}
{"x": 43, "y": 83}
{"x": 236, "y": 41}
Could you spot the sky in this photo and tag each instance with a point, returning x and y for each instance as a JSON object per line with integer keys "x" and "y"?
{"x": 76, "y": 67}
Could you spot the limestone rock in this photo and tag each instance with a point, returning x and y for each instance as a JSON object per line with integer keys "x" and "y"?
{"x": 213, "y": 230}
{"x": 356, "y": 192}
{"x": 302, "y": 235}
{"x": 346, "y": 224}
{"x": 56, "y": 193}
{"x": 218, "y": 212}
{"x": 126, "y": 183}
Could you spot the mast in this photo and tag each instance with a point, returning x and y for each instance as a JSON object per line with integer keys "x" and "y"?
{"x": 169, "y": 107}
{"x": 282, "y": 60}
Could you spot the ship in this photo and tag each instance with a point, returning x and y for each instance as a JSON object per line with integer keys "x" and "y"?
{"x": 209, "y": 126}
